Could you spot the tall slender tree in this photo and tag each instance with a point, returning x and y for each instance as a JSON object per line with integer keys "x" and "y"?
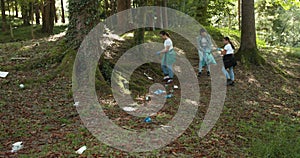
{"x": 248, "y": 52}
{"x": 4, "y": 25}
{"x": 63, "y": 20}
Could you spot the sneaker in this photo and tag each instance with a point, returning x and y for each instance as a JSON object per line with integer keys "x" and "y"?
{"x": 232, "y": 83}
{"x": 208, "y": 73}
{"x": 166, "y": 78}
{"x": 169, "y": 81}
{"x": 199, "y": 74}
{"x": 229, "y": 82}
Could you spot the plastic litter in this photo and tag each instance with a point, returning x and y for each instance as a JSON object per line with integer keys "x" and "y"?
{"x": 3, "y": 74}
{"x": 21, "y": 86}
{"x": 176, "y": 87}
{"x": 17, "y": 146}
{"x": 81, "y": 150}
{"x": 76, "y": 103}
{"x": 129, "y": 109}
{"x": 169, "y": 96}
{"x": 148, "y": 119}
{"x": 149, "y": 78}
{"x": 164, "y": 126}
{"x": 148, "y": 98}
{"x": 158, "y": 92}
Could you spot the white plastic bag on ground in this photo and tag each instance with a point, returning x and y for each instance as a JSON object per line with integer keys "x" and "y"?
{"x": 3, "y": 74}
{"x": 129, "y": 109}
{"x": 81, "y": 150}
{"x": 17, "y": 146}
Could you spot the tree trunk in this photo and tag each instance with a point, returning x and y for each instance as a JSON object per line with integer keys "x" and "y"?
{"x": 25, "y": 14}
{"x": 37, "y": 12}
{"x": 16, "y": 8}
{"x": 248, "y": 52}
{"x": 123, "y": 21}
{"x": 165, "y": 14}
{"x": 8, "y": 7}
{"x": 48, "y": 16}
{"x": 159, "y": 17}
{"x": 55, "y": 15}
{"x": 201, "y": 14}
{"x": 3, "y": 16}
{"x": 81, "y": 21}
{"x": 62, "y": 12}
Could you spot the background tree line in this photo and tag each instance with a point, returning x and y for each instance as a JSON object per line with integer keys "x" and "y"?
{"x": 274, "y": 21}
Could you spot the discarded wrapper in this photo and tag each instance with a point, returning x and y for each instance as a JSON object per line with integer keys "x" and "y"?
{"x": 17, "y": 146}
{"x": 76, "y": 103}
{"x": 3, "y": 74}
{"x": 81, "y": 150}
{"x": 22, "y": 86}
{"x": 158, "y": 92}
{"x": 150, "y": 78}
{"x": 164, "y": 126}
{"x": 129, "y": 109}
{"x": 176, "y": 87}
{"x": 148, "y": 119}
{"x": 169, "y": 96}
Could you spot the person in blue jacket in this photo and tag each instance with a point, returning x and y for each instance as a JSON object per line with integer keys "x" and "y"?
{"x": 205, "y": 52}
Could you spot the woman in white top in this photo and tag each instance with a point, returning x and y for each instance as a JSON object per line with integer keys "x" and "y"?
{"x": 169, "y": 57}
{"x": 229, "y": 61}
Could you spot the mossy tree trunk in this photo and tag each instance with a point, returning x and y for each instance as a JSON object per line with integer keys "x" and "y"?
{"x": 83, "y": 16}
{"x": 248, "y": 52}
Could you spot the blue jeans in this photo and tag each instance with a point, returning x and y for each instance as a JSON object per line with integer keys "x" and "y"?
{"x": 168, "y": 70}
{"x": 200, "y": 67}
{"x": 230, "y": 74}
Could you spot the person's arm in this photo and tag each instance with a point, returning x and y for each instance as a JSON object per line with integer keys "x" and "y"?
{"x": 224, "y": 51}
{"x": 167, "y": 48}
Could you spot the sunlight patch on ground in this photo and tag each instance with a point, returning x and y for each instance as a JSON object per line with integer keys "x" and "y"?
{"x": 56, "y": 37}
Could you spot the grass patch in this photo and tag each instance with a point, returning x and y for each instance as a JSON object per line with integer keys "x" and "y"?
{"x": 273, "y": 139}
{"x": 23, "y": 33}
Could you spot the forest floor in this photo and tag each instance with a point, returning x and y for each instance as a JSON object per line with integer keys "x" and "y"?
{"x": 261, "y": 114}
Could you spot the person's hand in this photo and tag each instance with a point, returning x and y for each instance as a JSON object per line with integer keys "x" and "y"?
{"x": 158, "y": 53}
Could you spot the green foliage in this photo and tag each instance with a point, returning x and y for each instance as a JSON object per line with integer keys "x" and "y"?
{"x": 278, "y": 24}
{"x": 275, "y": 140}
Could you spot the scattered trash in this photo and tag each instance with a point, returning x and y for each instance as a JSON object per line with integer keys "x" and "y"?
{"x": 76, "y": 103}
{"x": 176, "y": 87}
{"x": 149, "y": 78}
{"x": 129, "y": 109}
{"x": 191, "y": 102}
{"x": 148, "y": 119}
{"x": 3, "y": 74}
{"x": 166, "y": 85}
{"x": 17, "y": 146}
{"x": 148, "y": 98}
{"x": 158, "y": 92}
{"x": 19, "y": 58}
{"x": 22, "y": 86}
{"x": 164, "y": 126}
{"x": 81, "y": 150}
{"x": 171, "y": 91}
{"x": 169, "y": 96}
